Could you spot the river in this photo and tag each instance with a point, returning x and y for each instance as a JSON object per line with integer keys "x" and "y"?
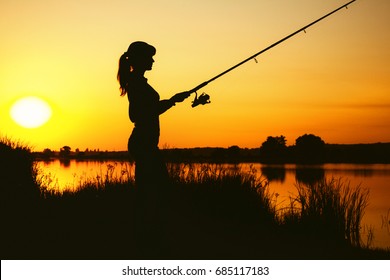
{"x": 282, "y": 181}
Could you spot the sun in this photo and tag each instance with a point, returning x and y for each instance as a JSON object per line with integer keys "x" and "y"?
{"x": 30, "y": 112}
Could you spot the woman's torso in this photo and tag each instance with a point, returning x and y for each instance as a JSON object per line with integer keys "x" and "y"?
{"x": 144, "y": 113}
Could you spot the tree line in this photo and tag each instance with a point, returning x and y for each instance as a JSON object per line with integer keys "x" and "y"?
{"x": 311, "y": 149}
{"x": 307, "y": 149}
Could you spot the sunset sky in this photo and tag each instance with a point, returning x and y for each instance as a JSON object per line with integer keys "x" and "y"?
{"x": 333, "y": 81}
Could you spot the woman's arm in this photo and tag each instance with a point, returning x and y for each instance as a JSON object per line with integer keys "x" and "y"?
{"x": 164, "y": 105}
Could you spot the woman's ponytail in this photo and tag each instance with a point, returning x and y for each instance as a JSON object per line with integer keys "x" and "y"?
{"x": 123, "y": 73}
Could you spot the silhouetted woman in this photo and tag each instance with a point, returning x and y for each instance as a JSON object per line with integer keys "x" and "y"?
{"x": 151, "y": 174}
{"x": 145, "y": 107}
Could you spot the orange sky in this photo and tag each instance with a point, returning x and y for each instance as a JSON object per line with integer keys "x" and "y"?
{"x": 332, "y": 81}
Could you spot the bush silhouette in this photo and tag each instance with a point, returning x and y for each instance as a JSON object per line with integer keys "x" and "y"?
{"x": 309, "y": 149}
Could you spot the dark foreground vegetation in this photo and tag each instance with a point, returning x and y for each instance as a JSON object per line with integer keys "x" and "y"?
{"x": 208, "y": 213}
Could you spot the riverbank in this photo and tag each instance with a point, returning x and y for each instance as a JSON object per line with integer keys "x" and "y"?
{"x": 218, "y": 214}
{"x": 207, "y": 213}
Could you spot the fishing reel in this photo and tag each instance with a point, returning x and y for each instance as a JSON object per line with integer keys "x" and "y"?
{"x": 202, "y": 99}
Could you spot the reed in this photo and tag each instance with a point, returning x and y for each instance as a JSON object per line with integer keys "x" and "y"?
{"x": 18, "y": 173}
{"x": 229, "y": 191}
{"x": 331, "y": 209}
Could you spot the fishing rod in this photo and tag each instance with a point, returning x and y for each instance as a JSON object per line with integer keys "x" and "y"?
{"x": 205, "y": 98}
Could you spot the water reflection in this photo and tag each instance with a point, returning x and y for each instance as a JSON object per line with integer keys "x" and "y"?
{"x": 303, "y": 174}
{"x": 274, "y": 173}
{"x": 309, "y": 175}
{"x": 65, "y": 162}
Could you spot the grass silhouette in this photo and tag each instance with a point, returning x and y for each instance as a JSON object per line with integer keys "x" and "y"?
{"x": 209, "y": 212}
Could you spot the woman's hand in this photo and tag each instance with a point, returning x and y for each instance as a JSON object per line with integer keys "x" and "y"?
{"x": 180, "y": 97}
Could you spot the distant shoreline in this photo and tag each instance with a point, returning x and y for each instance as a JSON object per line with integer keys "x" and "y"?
{"x": 334, "y": 153}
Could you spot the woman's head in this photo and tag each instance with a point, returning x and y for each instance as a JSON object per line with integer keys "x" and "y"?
{"x": 139, "y": 57}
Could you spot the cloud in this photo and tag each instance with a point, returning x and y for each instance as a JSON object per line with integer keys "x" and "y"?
{"x": 367, "y": 105}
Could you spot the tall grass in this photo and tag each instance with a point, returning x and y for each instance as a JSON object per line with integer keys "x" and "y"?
{"x": 108, "y": 176}
{"x": 18, "y": 173}
{"x": 331, "y": 208}
{"x": 230, "y": 189}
